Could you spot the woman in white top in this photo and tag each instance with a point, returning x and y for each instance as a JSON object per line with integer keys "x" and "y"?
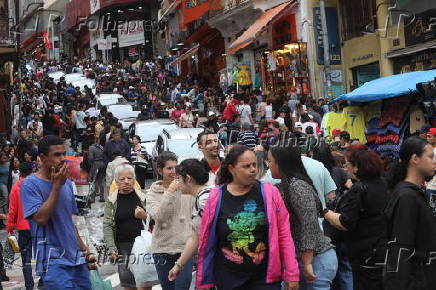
{"x": 187, "y": 118}
{"x": 268, "y": 110}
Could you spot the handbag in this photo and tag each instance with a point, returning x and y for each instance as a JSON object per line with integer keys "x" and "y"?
{"x": 97, "y": 283}
{"x": 141, "y": 262}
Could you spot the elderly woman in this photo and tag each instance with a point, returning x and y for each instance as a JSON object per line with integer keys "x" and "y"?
{"x": 123, "y": 215}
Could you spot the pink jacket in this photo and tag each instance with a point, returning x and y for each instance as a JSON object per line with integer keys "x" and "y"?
{"x": 282, "y": 262}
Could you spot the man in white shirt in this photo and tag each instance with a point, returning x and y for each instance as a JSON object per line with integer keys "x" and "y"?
{"x": 245, "y": 110}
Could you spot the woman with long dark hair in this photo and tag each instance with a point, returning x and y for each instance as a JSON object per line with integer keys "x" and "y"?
{"x": 359, "y": 214}
{"x": 171, "y": 210}
{"x": 344, "y": 276}
{"x": 194, "y": 175}
{"x": 411, "y": 262}
{"x": 316, "y": 256}
{"x": 245, "y": 240}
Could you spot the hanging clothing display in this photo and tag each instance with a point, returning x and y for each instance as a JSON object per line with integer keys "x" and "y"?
{"x": 354, "y": 118}
{"x": 244, "y": 76}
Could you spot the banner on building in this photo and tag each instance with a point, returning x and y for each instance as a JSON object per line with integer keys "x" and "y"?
{"x": 333, "y": 35}
{"x": 422, "y": 29}
{"x": 131, "y": 33}
{"x": 104, "y": 44}
{"x": 194, "y": 9}
{"x": 133, "y": 51}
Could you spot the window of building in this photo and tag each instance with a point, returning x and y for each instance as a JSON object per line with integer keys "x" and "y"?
{"x": 357, "y": 16}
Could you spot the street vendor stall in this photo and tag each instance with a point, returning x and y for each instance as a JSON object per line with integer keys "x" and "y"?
{"x": 383, "y": 112}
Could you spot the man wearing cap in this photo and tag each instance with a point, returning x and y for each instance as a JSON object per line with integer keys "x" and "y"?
{"x": 212, "y": 122}
{"x": 431, "y": 136}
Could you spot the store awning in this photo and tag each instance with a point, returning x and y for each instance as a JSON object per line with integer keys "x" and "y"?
{"x": 412, "y": 49}
{"x": 186, "y": 55}
{"x": 32, "y": 41}
{"x": 388, "y": 87}
{"x": 250, "y": 35}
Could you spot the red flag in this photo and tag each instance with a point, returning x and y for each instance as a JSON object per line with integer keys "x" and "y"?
{"x": 47, "y": 41}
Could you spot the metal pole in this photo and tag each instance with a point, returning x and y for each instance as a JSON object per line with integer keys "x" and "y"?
{"x": 326, "y": 45}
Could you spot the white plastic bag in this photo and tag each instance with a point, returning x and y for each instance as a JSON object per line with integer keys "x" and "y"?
{"x": 141, "y": 262}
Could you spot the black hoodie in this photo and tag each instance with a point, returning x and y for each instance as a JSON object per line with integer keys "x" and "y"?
{"x": 411, "y": 260}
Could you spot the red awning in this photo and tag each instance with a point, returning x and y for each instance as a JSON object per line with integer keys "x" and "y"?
{"x": 201, "y": 34}
{"x": 250, "y": 35}
{"x": 32, "y": 41}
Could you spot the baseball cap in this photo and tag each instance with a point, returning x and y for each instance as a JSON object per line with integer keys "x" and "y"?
{"x": 336, "y": 132}
{"x": 432, "y": 131}
{"x": 211, "y": 113}
{"x": 298, "y": 125}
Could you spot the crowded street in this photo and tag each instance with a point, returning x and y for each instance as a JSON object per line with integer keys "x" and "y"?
{"x": 218, "y": 144}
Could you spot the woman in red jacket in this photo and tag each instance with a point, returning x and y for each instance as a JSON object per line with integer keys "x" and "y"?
{"x": 16, "y": 221}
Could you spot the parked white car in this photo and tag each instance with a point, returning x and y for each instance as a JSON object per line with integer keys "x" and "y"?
{"x": 125, "y": 114}
{"x": 90, "y": 83}
{"x": 182, "y": 142}
{"x": 108, "y": 100}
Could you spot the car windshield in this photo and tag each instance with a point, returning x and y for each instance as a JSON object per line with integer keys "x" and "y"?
{"x": 108, "y": 102}
{"x": 123, "y": 112}
{"x": 150, "y": 133}
{"x": 183, "y": 147}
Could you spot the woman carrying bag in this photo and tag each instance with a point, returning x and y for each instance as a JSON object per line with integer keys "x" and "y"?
{"x": 123, "y": 221}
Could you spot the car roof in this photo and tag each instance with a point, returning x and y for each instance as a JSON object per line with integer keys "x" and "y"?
{"x": 184, "y": 133}
{"x": 109, "y": 96}
{"x": 154, "y": 122}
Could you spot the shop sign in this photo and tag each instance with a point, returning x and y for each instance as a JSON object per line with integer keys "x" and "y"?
{"x": 420, "y": 61}
{"x": 131, "y": 33}
{"x": 363, "y": 57}
{"x": 194, "y": 9}
{"x": 422, "y": 29}
{"x": 284, "y": 31}
{"x": 333, "y": 35}
{"x": 94, "y": 5}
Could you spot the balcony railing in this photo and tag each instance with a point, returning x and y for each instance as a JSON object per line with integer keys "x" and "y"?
{"x": 233, "y": 4}
{"x": 228, "y": 5}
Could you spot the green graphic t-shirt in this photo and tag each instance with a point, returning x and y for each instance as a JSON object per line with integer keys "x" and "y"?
{"x": 242, "y": 233}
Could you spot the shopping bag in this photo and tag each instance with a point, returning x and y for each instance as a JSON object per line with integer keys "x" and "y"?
{"x": 13, "y": 243}
{"x": 97, "y": 282}
{"x": 141, "y": 262}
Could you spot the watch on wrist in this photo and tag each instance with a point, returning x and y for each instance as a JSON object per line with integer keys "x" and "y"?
{"x": 324, "y": 211}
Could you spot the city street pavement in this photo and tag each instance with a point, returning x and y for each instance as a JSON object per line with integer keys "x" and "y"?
{"x": 91, "y": 229}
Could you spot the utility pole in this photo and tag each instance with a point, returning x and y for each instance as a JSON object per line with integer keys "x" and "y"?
{"x": 17, "y": 33}
{"x": 326, "y": 46}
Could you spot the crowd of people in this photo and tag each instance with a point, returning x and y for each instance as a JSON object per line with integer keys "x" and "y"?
{"x": 283, "y": 207}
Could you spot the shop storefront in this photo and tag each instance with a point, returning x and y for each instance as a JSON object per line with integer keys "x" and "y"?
{"x": 286, "y": 70}
{"x": 365, "y": 73}
{"x": 420, "y": 39}
{"x": 131, "y": 40}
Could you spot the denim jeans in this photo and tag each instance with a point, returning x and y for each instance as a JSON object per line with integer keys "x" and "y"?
{"x": 324, "y": 266}
{"x": 4, "y": 198}
{"x": 344, "y": 276}
{"x": 164, "y": 263}
{"x": 25, "y": 244}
